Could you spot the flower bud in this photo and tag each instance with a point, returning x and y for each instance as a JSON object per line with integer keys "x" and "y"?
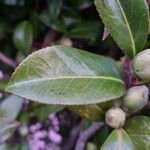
{"x": 136, "y": 98}
{"x": 23, "y": 130}
{"x": 115, "y": 117}
{"x": 91, "y": 146}
{"x": 141, "y": 65}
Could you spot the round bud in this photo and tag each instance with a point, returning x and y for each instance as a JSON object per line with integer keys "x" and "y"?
{"x": 141, "y": 65}
{"x": 136, "y": 98}
{"x": 115, "y": 117}
{"x": 91, "y": 146}
{"x": 23, "y": 130}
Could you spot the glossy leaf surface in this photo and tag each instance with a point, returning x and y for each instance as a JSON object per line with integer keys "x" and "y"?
{"x": 127, "y": 21}
{"x": 139, "y": 130}
{"x": 65, "y": 75}
{"x": 23, "y": 36}
{"x": 118, "y": 140}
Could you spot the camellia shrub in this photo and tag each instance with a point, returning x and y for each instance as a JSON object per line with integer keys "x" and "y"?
{"x": 94, "y": 86}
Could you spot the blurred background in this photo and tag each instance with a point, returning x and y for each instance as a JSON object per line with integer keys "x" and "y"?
{"x": 29, "y": 25}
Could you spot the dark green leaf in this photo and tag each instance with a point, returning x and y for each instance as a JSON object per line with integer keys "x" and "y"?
{"x": 127, "y": 21}
{"x": 57, "y": 25}
{"x": 42, "y": 111}
{"x": 85, "y": 30}
{"x": 54, "y": 8}
{"x": 23, "y": 36}
{"x": 35, "y": 21}
{"x": 70, "y": 17}
{"x": 139, "y": 130}
{"x": 79, "y": 4}
{"x": 5, "y": 26}
{"x": 118, "y": 140}
{"x": 66, "y": 75}
{"x": 100, "y": 137}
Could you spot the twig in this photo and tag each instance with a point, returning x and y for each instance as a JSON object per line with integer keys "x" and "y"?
{"x": 7, "y": 60}
{"x": 128, "y": 77}
{"x": 85, "y": 135}
{"x": 148, "y": 2}
{"x": 73, "y": 137}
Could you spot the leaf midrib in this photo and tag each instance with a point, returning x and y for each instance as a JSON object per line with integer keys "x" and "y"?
{"x": 68, "y": 77}
{"x": 128, "y": 26}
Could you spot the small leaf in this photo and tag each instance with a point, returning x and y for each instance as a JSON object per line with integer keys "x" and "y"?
{"x": 54, "y": 8}
{"x": 6, "y": 130}
{"x": 23, "y": 36}
{"x": 66, "y": 75}
{"x": 100, "y": 137}
{"x": 70, "y": 17}
{"x": 57, "y": 25}
{"x": 127, "y": 21}
{"x": 139, "y": 130}
{"x": 118, "y": 140}
{"x": 10, "y": 107}
{"x": 42, "y": 111}
{"x": 85, "y": 30}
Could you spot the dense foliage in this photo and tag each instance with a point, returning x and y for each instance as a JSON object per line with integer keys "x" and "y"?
{"x": 62, "y": 97}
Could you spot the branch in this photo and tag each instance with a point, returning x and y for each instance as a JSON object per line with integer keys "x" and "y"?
{"x": 7, "y": 60}
{"x": 87, "y": 134}
{"x": 73, "y": 137}
{"x": 128, "y": 77}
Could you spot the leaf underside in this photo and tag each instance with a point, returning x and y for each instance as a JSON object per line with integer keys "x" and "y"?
{"x": 66, "y": 75}
{"x": 127, "y": 21}
{"x": 118, "y": 140}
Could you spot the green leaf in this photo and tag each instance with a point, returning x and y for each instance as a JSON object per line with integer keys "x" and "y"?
{"x": 66, "y": 75}
{"x": 70, "y": 17}
{"x": 79, "y": 4}
{"x": 127, "y": 21}
{"x": 42, "y": 111}
{"x": 10, "y": 107}
{"x": 94, "y": 112}
{"x": 57, "y": 25}
{"x": 6, "y": 130}
{"x": 85, "y": 30}
{"x": 23, "y": 36}
{"x": 3, "y": 83}
{"x": 100, "y": 137}
{"x": 118, "y": 140}
{"x": 54, "y": 8}
{"x": 139, "y": 130}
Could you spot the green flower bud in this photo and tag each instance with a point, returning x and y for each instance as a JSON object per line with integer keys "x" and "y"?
{"x": 23, "y": 130}
{"x": 91, "y": 146}
{"x": 115, "y": 117}
{"x": 141, "y": 65}
{"x": 136, "y": 98}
